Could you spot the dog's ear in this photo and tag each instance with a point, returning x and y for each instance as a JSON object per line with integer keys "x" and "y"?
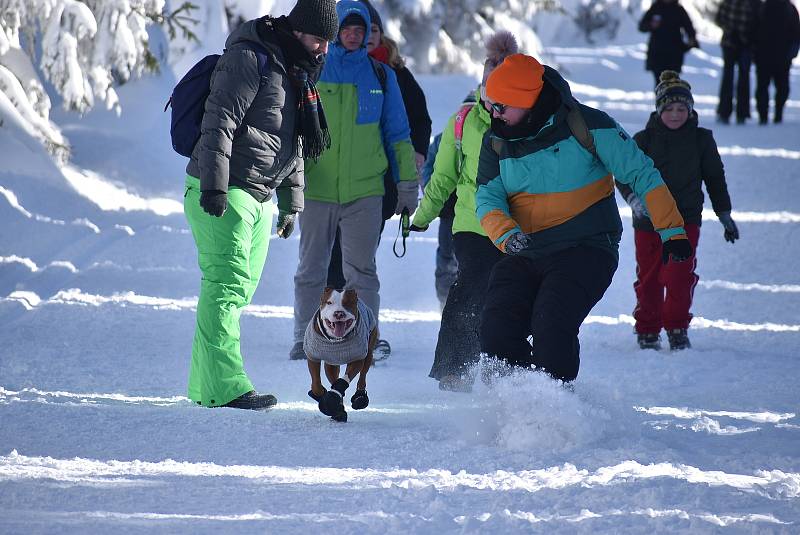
{"x": 326, "y": 294}
{"x": 350, "y": 298}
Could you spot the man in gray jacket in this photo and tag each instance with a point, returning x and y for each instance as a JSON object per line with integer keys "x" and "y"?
{"x": 262, "y": 117}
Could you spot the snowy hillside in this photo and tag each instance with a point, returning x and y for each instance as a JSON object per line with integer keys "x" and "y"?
{"x": 98, "y": 283}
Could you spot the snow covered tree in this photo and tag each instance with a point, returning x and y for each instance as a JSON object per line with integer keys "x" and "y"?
{"x": 82, "y": 48}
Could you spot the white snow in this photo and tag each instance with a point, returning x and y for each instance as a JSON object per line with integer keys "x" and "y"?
{"x": 98, "y": 286}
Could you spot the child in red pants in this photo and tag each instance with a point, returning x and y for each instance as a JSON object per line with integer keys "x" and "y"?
{"x": 686, "y": 156}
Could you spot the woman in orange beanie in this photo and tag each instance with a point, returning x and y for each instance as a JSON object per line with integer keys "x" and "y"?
{"x": 546, "y": 198}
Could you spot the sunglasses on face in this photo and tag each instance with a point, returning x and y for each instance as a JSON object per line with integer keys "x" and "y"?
{"x": 499, "y": 108}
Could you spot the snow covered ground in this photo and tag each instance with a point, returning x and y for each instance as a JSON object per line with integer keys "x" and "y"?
{"x": 98, "y": 282}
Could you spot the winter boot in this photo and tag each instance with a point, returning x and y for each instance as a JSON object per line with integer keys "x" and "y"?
{"x": 649, "y": 341}
{"x": 253, "y": 401}
{"x": 297, "y": 352}
{"x": 382, "y": 351}
{"x": 332, "y": 403}
{"x": 360, "y": 400}
{"x": 678, "y": 339}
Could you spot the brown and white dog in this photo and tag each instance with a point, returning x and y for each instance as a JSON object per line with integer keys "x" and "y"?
{"x": 343, "y": 331}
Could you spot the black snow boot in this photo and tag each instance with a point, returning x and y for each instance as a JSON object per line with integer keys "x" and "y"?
{"x": 649, "y": 340}
{"x": 332, "y": 403}
{"x": 678, "y": 339}
{"x": 360, "y": 400}
{"x": 382, "y": 351}
{"x": 253, "y": 401}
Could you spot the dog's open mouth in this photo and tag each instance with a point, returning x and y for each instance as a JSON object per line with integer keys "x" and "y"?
{"x": 339, "y": 328}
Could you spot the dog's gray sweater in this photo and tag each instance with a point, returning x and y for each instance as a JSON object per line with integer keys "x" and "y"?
{"x": 339, "y": 351}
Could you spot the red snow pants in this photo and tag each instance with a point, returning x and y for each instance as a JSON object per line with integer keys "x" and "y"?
{"x": 655, "y": 308}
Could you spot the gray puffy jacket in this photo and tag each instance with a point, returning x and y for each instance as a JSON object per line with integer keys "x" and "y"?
{"x": 248, "y": 127}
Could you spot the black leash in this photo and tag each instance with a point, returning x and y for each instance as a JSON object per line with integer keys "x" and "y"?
{"x": 404, "y": 229}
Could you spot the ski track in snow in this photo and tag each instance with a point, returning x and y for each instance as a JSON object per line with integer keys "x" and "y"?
{"x": 75, "y": 296}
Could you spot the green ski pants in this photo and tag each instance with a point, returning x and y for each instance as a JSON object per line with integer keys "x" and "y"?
{"x": 231, "y": 251}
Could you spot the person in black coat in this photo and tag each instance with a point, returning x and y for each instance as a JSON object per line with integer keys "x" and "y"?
{"x": 738, "y": 20}
{"x": 777, "y": 41}
{"x": 687, "y": 157}
{"x": 671, "y": 36}
{"x": 383, "y": 49}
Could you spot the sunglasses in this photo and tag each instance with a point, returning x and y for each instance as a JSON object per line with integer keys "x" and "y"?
{"x": 499, "y": 108}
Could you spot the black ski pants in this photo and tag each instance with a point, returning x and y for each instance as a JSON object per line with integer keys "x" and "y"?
{"x": 548, "y": 298}
{"x": 458, "y": 346}
{"x": 776, "y": 72}
{"x": 739, "y": 58}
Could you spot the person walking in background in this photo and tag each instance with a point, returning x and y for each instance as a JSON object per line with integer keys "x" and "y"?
{"x": 383, "y": 49}
{"x": 344, "y": 189}
{"x": 257, "y": 127}
{"x": 739, "y": 22}
{"x": 546, "y": 199}
{"x": 446, "y": 262}
{"x": 777, "y": 43}
{"x": 455, "y": 170}
{"x": 671, "y": 36}
{"x": 686, "y": 156}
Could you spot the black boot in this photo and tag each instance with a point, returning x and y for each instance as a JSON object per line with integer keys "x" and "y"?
{"x": 332, "y": 403}
{"x": 253, "y": 401}
{"x": 360, "y": 400}
{"x": 649, "y": 341}
{"x": 678, "y": 339}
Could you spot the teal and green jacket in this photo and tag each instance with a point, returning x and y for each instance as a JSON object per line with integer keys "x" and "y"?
{"x": 368, "y": 127}
{"x": 456, "y": 170}
{"x": 550, "y": 186}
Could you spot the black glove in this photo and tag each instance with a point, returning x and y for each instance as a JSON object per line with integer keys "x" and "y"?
{"x": 731, "y": 232}
{"x": 517, "y": 242}
{"x": 214, "y": 202}
{"x": 285, "y": 223}
{"x": 414, "y": 228}
{"x": 680, "y": 250}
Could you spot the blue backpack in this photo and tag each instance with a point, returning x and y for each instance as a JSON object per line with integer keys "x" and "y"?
{"x": 188, "y": 99}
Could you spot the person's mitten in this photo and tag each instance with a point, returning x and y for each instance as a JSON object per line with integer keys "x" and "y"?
{"x": 285, "y": 224}
{"x": 407, "y": 196}
{"x": 636, "y": 204}
{"x": 332, "y": 403}
{"x": 680, "y": 250}
{"x": 214, "y": 202}
{"x": 731, "y": 232}
{"x": 517, "y": 242}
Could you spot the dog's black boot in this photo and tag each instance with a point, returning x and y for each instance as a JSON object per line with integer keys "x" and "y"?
{"x": 339, "y": 417}
{"x": 332, "y": 403}
{"x": 360, "y": 400}
{"x": 315, "y": 397}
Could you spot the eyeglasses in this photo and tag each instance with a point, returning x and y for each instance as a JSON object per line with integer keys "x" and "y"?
{"x": 499, "y": 108}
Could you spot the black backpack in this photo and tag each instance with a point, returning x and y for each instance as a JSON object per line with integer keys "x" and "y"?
{"x": 188, "y": 99}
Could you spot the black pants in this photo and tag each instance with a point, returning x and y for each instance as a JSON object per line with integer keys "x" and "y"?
{"x": 548, "y": 298}
{"x": 458, "y": 345}
{"x": 777, "y": 73}
{"x": 739, "y": 58}
{"x": 335, "y": 272}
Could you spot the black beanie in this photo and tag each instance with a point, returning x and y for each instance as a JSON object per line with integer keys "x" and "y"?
{"x": 373, "y": 15}
{"x": 355, "y": 19}
{"x": 672, "y": 89}
{"x": 315, "y": 17}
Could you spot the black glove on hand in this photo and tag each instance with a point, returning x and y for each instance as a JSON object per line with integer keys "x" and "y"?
{"x": 285, "y": 223}
{"x": 517, "y": 242}
{"x": 214, "y": 202}
{"x": 731, "y": 232}
{"x": 680, "y": 250}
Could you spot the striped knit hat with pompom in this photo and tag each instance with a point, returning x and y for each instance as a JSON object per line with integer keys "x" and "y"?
{"x": 671, "y": 89}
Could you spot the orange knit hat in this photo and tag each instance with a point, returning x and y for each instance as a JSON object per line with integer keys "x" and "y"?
{"x": 516, "y": 82}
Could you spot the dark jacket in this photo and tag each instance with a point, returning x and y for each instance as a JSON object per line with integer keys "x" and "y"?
{"x": 686, "y": 157}
{"x": 778, "y": 33}
{"x": 248, "y": 128}
{"x": 739, "y": 22}
{"x": 416, "y": 109}
{"x": 666, "y": 47}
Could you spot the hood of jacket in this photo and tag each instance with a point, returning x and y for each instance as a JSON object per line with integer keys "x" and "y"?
{"x": 344, "y": 8}
{"x": 249, "y": 32}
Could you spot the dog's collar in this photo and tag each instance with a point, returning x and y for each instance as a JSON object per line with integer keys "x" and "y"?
{"x": 324, "y": 333}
